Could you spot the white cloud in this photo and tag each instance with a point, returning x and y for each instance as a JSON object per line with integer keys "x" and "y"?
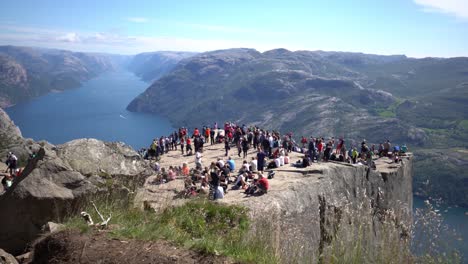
{"x": 137, "y": 19}
{"x": 69, "y": 37}
{"x": 458, "y": 8}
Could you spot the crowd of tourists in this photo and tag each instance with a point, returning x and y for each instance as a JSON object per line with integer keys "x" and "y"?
{"x": 271, "y": 150}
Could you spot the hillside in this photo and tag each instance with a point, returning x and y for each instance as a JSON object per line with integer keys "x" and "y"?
{"x": 149, "y": 66}
{"x": 30, "y": 72}
{"x": 420, "y": 102}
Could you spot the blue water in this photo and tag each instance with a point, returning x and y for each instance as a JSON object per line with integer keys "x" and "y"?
{"x": 95, "y": 110}
{"x": 456, "y": 237}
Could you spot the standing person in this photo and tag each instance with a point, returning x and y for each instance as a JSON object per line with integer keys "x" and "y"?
{"x": 207, "y": 133}
{"x": 312, "y": 149}
{"x": 304, "y": 141}
{"x": 12, "y": 162}
{"x": 239, "y": 147}
{"x": 226, "y": 147}
{"x": 182, "y": 143}
{"x": 198, "y": 161}
{"x": 261, "y": 155}
{"x": 188, "y": 148}
{"x": 245, "y": 147}
{"x": 212, "y": 136}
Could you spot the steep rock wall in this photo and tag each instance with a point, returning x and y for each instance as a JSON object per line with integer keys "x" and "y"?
{"x": 311, "y": 207}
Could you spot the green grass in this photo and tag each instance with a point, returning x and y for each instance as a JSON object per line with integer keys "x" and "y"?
{"x": 200, "y": 225}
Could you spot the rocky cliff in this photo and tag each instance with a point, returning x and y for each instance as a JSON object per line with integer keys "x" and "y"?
{"x": 307, "y": 210}
{"x": 59, "y": 180}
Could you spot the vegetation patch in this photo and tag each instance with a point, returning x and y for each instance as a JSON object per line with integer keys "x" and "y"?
{"x": 200, "y": 225}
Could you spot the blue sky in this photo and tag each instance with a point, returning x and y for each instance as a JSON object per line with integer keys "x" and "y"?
{"x": 417, "y": 28}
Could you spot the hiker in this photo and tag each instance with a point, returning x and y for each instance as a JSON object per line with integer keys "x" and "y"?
{"x": 312, "y": 149}
{"x": 241, "y": 181}
{"x": 305, "y": 161}
{"x": 220, "y": 163}
{"x": 262, "y": 184}
{"x": 253, "y": 164}
{"x": 354, "y": 155}
{"x": 11, "y": 162}
{"x": 245, "y": 166}
{"x": 261, "y": 160}
{"x": 185, "y": 169}
{"x": 171, "y": 175}
{"x": 198, "y": 160}
{"x": 245, "y": 147}
{"x": 232, "y": 164}
{"x": 182, "y": 142}
{"x": 188, "y": 148}
{"x": 404, "y": 148}
{"x": 386, "y": 147}
{"x": 212, "y": 136}
{"x": 226, "y": 147}
{"x": 304, "y": 141}
{"x": 7, "y": 181}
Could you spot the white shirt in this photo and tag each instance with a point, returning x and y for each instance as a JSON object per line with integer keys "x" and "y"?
{"x": 253, "y": 164}
{"x": 221, "y": 163}
{"x": 198, "y": 157}
{"x": 219, "y": 194}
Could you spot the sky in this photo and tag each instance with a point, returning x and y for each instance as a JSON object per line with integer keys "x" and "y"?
{"x": 416, "y": 28}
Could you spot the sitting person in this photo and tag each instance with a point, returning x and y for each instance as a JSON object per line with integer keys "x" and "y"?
{"x": 220, "y": 163}
{"x": 223, "y": 182}
{"x": 245, "y": 166}
{"x": 253, "y": 164}
{"x": 404, "y": 149}
{"x": 241, "y": 181}
{"x": 171, "y": 175}
{"x": 263, "y": 184}
{"x": 259, "y": 186}
{"x": 305, "y": 162}
{"x": 185, "y": 169}
{"x": 232, "y": 164}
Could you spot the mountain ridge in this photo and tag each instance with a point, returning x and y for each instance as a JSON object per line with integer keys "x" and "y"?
{"x": 27, "y": 72}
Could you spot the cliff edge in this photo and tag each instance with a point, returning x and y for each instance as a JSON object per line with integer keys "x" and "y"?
{"x": 307, "y": 209}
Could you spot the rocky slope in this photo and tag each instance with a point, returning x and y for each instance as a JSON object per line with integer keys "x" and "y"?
{"x": 59, "y": 180}
{"x": 420, "y": 102}
{"x": 29, "y": 72}
{"x": 151, "y": 66}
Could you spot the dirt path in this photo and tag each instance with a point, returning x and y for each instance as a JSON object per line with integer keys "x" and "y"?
{"x": 97, "y": 247}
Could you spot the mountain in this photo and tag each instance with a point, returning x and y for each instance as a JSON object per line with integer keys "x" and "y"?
{"x": 30, "y": 72}
{"x": 152, "y": 65}
{"x": 420, "y": 102}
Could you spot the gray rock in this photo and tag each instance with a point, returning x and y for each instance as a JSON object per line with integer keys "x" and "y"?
{"x": 60, "y": 180}
{"x": 94, "y": 157}
{"x": 52, "y": 227}
{"x": 6, "y": 258}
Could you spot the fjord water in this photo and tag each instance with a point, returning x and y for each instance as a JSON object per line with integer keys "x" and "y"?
{"x": 96, "y": 110}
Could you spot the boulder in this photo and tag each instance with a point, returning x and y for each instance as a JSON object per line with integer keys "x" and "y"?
{"x": 52, "y": 227}
{"x": 47, "y": 191}
{"x": 92, "y": 156}
{"x": 60, "y": 180}
{"x": 6, "y": 258}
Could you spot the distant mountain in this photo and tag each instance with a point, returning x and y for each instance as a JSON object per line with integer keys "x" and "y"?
{"x": 421, "y": 102}
{"x": 29, "y": 72}
{"x": 152, "y": 65}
